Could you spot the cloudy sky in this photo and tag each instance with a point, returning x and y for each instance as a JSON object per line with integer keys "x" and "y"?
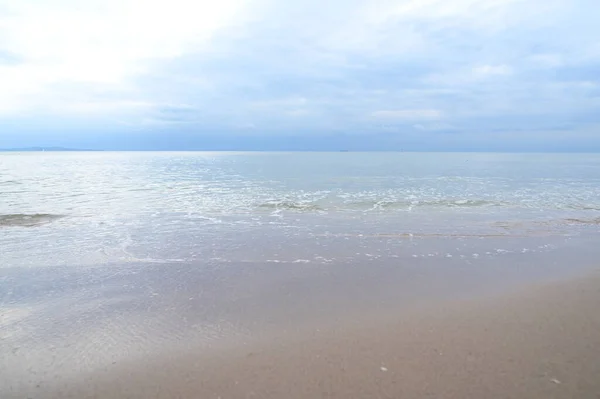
{"x": 301, "y": 74}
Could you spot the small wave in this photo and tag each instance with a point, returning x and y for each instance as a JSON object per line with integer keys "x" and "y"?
{"x": 291, "y": 206}
{"x": 377, "y": 205}
{"x": 27, "y": 220}
{"x": 586, "y": 208}
{"x": 9, "y": 182}
{"x": 583, "y": 221}
{"x": 408, "y": 204}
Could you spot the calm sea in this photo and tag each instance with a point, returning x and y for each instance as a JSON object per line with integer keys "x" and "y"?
{"x": 86, "y": 208}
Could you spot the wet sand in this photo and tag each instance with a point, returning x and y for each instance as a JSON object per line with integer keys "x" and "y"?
{"x": 540, "y": 341}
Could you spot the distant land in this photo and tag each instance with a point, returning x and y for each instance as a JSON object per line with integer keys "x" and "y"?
{"x": 34, "y": 149}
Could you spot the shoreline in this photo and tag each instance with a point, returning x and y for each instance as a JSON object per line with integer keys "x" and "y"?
{"x": 540, "y": 341}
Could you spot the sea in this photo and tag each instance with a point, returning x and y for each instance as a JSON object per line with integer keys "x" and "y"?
{"x": 87, "y": 208}
{"x": 111, "y": 255}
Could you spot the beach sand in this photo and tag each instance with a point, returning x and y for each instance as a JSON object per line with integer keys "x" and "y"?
{"x": 540, "y": 341}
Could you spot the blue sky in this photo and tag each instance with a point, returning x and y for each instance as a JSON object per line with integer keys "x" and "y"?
{"x": 242, "y": 74}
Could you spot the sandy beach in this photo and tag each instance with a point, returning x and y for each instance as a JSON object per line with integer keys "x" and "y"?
{"x": 541, "y": 341}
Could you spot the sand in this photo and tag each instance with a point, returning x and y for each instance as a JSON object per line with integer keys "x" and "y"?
{"x": 542, "y": 341}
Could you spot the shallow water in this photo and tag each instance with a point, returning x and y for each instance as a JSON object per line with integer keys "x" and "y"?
{"x": 97, "y": 208}
{"x": 106, "y": 257}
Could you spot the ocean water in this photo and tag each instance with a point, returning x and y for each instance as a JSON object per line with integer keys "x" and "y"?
{"x": 111, "y": 208}
{"x": 119, "y": 257}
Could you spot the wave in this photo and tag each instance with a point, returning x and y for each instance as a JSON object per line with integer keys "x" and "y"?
{"x": 408, "y": 204}
{"x": 9, "y": 182}
{"x": 582, "y": 221}
{"x": 582, "y": 207}
{"x": 374, "y": 205}
{"x": 291, "y": 206}
{"x": 27, "y": 220}
{"x": 349, "y": 204}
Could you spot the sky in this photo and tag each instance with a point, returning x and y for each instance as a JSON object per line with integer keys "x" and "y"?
{"x": 489, "y": 75}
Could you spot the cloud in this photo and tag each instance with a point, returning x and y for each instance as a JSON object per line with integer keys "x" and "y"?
{"x": 408, "y": 114}
{"x": 484, "y": 71}
{"x": 311, "y": 68}
{"x": 8, "y": 58}
{"x": 106, "y": 43}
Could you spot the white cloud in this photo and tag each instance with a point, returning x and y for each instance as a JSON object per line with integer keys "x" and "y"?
{"x": 407, "y": 114}
{"x": 298, "y": 112}
{"x": 280, "y": 103}
{"x": 91, "y": 108}
{"x": 470, "y": 75}
{"x": 546, "y": 60}
{"x": 100, "y": 42}
{"x": 484, "y": 71}
{"x": 479, "y": 12}
{"x": 434, "y": 126}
